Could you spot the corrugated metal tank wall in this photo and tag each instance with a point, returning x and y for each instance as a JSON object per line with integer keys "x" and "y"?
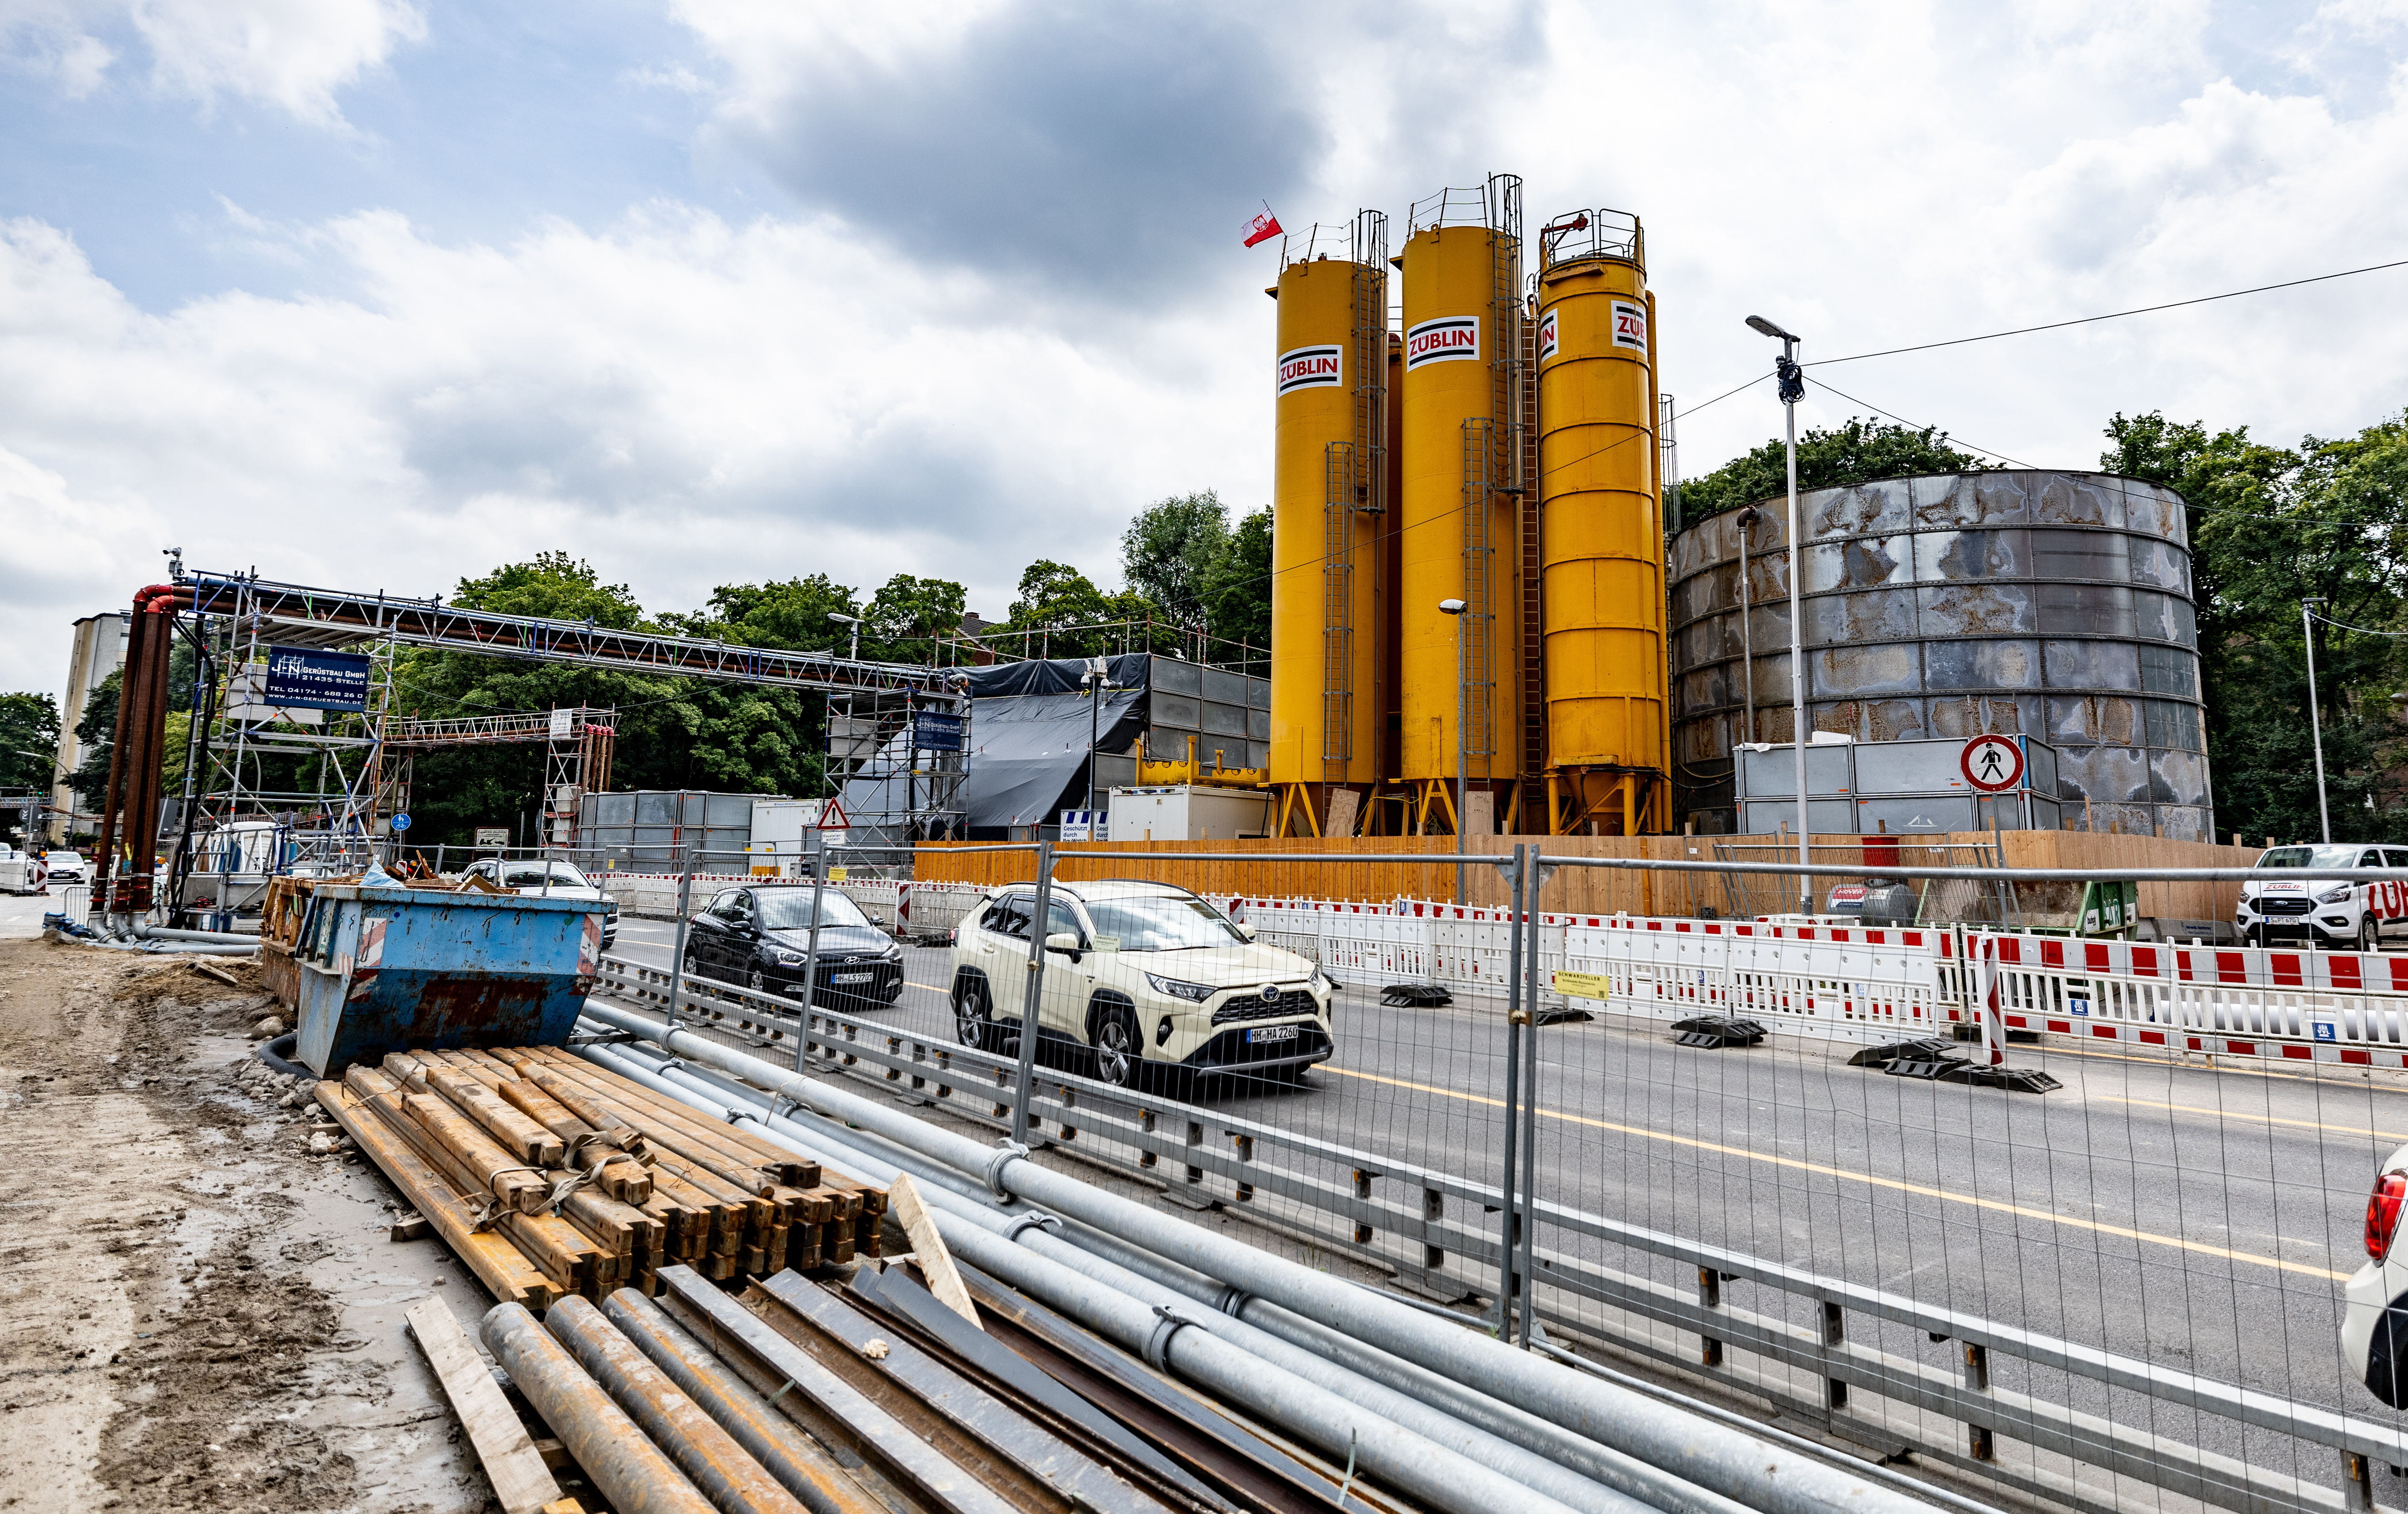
{"x": 2054, "y": 604}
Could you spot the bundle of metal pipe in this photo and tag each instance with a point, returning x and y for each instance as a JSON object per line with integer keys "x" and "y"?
{"x": 551, "y": 1178}
{"x": 1450, "y": 1389}
{"x": 1436, "y": 1458}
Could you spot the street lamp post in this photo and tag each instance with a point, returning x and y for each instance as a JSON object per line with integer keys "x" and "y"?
{"x": 853, "y": 655}
{"x": 2315, "y": 717}
{"x": 1793, "y": 389}
{"x": 1462, "y": 736}
{"x": 1095, "y": 679}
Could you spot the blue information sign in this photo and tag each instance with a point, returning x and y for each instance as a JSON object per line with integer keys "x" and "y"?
{"x": 307, "y": 678}
{"x": 401, "y": 822}
{"x": 935, "y": 730}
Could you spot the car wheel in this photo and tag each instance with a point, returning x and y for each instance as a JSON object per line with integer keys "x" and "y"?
{"x": 974, "y": 1018}
{"x": 2368, "y": 937}
{"x": 1119, "y": 1053}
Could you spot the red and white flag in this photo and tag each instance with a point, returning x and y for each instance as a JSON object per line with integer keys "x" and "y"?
{"x": 1262, "y": 227}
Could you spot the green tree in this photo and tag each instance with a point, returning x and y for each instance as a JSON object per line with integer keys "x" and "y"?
{"x": 1858, "y": 452}
{"x": 1053, "y": 595}
{"x": 2270, "y": 527}
{"x": 1169, "y": 548}
{"x": 909, "y": 615}
{"x": 799, "y": 614}
{"x": 29, "y": 740}
{"x": 1236, "y": 592}
{"x": 96, "y": 729}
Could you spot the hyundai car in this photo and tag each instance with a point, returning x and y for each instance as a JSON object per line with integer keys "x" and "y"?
{"x": 2295, "y": 904}
{"x": 761, "y": 937}
{"x": 1141, "y": 978}
{"x": 554, "y": 879}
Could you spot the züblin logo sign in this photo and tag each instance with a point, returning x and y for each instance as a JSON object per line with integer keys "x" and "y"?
{"x": 1311, "y": 367}
{"x": 1443, "y": 340}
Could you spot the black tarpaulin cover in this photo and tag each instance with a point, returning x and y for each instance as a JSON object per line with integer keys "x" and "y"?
{"x": 1029, "y": 737}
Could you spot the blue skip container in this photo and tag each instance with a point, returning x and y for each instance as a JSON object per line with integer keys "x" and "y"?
{"x": 389, "y": 969}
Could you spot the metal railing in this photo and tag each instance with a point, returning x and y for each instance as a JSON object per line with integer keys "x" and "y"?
{"x": 1816, "y": 1345}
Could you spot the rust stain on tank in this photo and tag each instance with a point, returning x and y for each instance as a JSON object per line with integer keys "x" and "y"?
{"x": 1975, "y": 609}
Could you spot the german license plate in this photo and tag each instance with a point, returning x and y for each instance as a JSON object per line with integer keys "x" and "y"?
{"x": 1265, "y": 1035}
{"x": 850, "y": 977}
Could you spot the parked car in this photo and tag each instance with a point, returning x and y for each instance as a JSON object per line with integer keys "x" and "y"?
{"x": 2294, "y": 904}
{"x": 760, "y": 936}
{"x": 1142, "y": 977}
{"x": 67, "y": 867}
{"x": 2374, "y": 1318}
{"x": 558, "y": 879}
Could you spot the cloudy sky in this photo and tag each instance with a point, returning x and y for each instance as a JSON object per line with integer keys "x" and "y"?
{"x": 377, "y": 293}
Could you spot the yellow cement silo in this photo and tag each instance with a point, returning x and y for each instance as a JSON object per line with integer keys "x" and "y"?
{"x": 1456, "y": 507}
{"x": 1329, "y": 503}
{"x": 1603, "y": 529}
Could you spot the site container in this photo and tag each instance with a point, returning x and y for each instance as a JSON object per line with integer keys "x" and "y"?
{"x": 387, "y": 969}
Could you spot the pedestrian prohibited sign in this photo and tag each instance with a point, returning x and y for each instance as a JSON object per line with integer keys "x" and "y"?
{"x": 1992, "y": 764}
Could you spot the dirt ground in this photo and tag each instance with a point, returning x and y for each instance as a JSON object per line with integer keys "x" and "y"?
{"x": 199, "y": 1312}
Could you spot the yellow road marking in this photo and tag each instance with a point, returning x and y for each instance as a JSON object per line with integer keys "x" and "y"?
{"x": 1896, "y": 1185}
{"x": 2263, "y": 1119}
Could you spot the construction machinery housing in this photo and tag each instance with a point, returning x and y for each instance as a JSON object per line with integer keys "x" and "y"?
{"x": 1468, "y": 526}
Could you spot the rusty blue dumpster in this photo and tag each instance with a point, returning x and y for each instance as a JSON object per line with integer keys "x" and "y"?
{"x": 387, "y": 969}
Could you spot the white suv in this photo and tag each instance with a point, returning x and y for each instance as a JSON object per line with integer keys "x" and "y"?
{"x": 1145, "y": 976}
{"x": 2296, "y": 904}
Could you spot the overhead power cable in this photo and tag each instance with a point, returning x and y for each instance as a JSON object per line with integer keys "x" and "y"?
{"x": 2112, "y": 315}
{"x": 1909, "y": 425}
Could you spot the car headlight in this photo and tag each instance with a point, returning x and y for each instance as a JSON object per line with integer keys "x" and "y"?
{"x": 2336, "y": 895}
{"x": 1177, "y": 988}
{"x": 1319, "y": 979}
{"x": 790, "y": 959}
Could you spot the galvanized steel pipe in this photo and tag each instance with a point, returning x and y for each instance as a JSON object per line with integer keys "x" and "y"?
{"x": 1737, "y": 1465}
{"x": 723, "y": 1470}
{"x": 1600, "y": 1480}
{"x": 953, "y": 1211}
{"x": 628, "y": 1469}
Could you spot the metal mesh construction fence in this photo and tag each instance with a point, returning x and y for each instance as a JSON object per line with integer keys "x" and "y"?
{"x": 1755, "y": 1161}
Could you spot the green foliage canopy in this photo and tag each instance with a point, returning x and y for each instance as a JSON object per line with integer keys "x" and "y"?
{"x": 1858, "y": 452}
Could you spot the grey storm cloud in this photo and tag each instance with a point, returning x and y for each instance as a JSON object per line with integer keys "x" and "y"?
{"x": 1101, "y": 150}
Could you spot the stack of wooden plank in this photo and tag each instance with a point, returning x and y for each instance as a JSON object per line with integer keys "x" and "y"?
{"x": 549, "y": 1176}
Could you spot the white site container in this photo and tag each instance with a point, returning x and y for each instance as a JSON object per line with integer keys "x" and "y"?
{"x": 777, "y": 837}
{"x": 1189, "y": 812}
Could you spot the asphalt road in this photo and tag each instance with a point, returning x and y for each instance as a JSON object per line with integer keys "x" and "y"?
{"x": 2199, "y": 1218}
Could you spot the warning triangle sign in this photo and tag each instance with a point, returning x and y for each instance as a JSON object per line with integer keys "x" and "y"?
{"x": 832, "y": 816}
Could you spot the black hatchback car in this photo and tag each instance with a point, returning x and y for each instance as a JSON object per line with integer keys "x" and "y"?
{"x": 760, "y": 936}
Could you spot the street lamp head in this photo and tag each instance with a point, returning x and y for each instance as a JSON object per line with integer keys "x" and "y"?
{"x": 1757, "y": 323}
{"x": 1450, "y": 607}
{"x": 844, "y": 619}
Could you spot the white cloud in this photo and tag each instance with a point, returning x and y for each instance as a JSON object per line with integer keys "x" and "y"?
{"x": 294, "y": 55}
{"x": 688, "y": 401}
{"x": 683, "y": 402}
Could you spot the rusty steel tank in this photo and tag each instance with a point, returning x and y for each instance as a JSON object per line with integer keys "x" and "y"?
{"x": 2052, "y": 604}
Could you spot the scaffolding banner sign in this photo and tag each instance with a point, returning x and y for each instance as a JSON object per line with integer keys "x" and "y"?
{"x": 1311, "y": 367}
{"x": 935, "y": 730}
{"x": 1447, "y": 340}
{"x": 307, "y": 678}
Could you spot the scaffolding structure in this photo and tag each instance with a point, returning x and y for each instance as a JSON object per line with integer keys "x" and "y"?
{"x": 273, "y": 787}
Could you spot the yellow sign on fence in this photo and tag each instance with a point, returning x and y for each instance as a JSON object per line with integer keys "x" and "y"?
{"x": 1582, "y": 985}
